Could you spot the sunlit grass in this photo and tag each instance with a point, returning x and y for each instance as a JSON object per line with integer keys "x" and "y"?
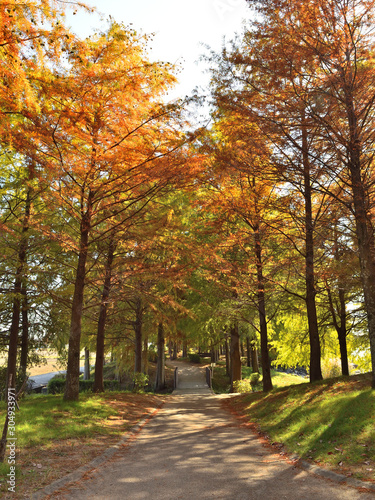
{"x": 47, "y": 418}
{"x": 221, "y": 383}
{"x": 331, "y": 422}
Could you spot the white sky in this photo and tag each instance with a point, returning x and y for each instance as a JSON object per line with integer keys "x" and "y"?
{"x": 179, "y": 26}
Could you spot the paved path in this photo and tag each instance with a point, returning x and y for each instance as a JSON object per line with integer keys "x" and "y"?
{"x": 194, "y": 449}
{"x": 191, "y": 379}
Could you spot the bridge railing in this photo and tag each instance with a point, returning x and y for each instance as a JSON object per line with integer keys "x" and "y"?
{"x": 209, "y": 377}
{"x": 175, "y": 379}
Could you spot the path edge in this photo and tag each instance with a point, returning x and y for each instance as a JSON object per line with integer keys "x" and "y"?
{"x": 72, "y": 477}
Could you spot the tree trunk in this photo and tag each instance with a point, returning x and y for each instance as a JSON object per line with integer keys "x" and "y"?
{"x": 315, "y": 366}
{"x": 248, "y": 352}
{"x": 235, "y": 358}
{"x": 365, "y": 236}
{"x": 227, "y": 358}
{"x": 72, "y": 373}
{"x": 86, "y": 373}
{"x": 266, "y": 364}
{"x": 18, "y": 289}
{"x": 25, "y": 335}
{"x": 342, "y": 334}
{"x": 100, "y": 336}
{"x": 242, "y": 350}
{"x": 254, "y": 359}
{"x": 340, "y": 326}
{"x": 184, "y": 349}
{"x": 138, "y": 335}
{"x": 145, "y": 355}
{"x": 160, "y": 368}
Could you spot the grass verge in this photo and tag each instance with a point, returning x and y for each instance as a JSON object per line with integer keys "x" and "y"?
{"x": 330, "y": 423}
{"x": 221, "y": 382}
{"x": 55, "y": 437}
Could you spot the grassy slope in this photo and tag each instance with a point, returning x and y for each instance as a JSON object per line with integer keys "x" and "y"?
{"x": 330, "y": 422}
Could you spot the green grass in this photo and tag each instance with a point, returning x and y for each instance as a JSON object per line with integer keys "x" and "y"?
{"x": 330, "y": 422}
{"x": 221, "y": 383}
{"x": 48, "y": 418}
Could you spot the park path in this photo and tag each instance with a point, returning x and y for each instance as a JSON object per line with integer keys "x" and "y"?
{"x": 194, "y": 449}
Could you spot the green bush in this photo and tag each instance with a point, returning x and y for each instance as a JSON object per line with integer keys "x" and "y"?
{"x": 194, "y": 358}
{"x": 57, "y": 385}
{"x": 331, "y": 368}
{"x": 254, "y": 379}
{"x": 242, "y": 385}
{"x": 140, "y": 381}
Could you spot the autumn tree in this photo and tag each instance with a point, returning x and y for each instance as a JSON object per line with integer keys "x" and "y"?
{"x": 337, "y": 36}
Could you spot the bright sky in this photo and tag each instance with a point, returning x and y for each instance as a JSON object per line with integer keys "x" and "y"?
{"x": 180, "y": 28}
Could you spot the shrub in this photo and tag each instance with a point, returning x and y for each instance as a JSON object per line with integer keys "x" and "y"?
{"x": 194, "y": 358}
{"x": 140, "y": 381}
{"x": 331, "y": 368}
{"x": 254, "y": 379}
{"x": 242, "y": 385}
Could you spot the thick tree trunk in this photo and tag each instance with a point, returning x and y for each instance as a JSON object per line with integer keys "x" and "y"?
{"x": 266, "y": 364}
{"x": 138, "y": 335}
{"x": 100, "y": 336}
{"x": 235, "y": 358}
{"x": 184, "y": 349}
{"x": 72, "y": 373}
{"x": 364, "y": 231}
{"x": 315, "y": 354}
{"x": 160, "y": 368}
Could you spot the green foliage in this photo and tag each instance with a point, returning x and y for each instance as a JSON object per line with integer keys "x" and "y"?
{"x": 331, "y": 368}
{"x": 242, "y": 385}
{"x": 194, "y": 358}
{"x": 57, "y": 385}
{"x": 140, "y": 382}
{"x": 254, "y": 379}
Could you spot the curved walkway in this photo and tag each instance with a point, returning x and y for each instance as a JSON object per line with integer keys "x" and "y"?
{"x": 194, "y": 449}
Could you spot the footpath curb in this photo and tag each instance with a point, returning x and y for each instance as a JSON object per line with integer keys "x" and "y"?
{"x": 337, "y": 478}
{"x": 96, "y": 462}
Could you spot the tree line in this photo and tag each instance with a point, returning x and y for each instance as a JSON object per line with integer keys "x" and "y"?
{"x": 122, "y": 225}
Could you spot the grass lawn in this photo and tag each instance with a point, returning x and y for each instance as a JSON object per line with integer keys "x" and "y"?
{"x": 55, "y": 437}
{"x": 330, "y": 422}
{"x": 221, "y": 383}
